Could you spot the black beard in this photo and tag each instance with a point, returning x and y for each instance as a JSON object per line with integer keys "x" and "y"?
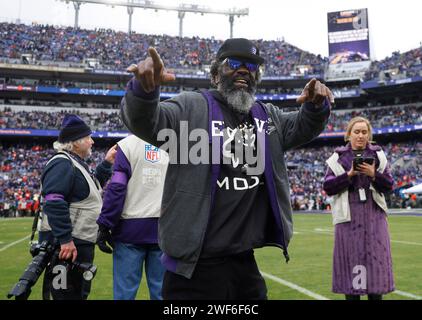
{"x": 239, "y": 99}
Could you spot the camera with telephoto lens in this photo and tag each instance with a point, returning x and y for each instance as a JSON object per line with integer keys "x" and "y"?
{"x": 43, "y": 254}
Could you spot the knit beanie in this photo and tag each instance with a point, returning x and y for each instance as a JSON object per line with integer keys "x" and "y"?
{"x": 73, "y": 128}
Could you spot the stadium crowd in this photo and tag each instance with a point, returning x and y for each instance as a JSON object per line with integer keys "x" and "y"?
{"x": 102, "y": 121}
{"x": 121, "y": 86}
{"x": 117, "y": 50}
{"x": 20, "y": 175}
{"x": 22, "y": 165}
{"x": 307, "y": 169}
{"x": 383, "y": 117}
{"x": 408, "y": 64}
{"x": 59, "y": 104}
{"x": 99, "y": 121}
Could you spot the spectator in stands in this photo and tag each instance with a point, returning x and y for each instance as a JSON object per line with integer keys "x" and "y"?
{"x": 405, "y": 159}
{"x": 129, "y": 218}
{"x": 208, "y": 229}
{"x": 56, "y": 45}
{"x": 102, "y": 121}
{"x": 362, "y": 256}
{"x": 72, "y": 195}
{"x": 398, "y": 66}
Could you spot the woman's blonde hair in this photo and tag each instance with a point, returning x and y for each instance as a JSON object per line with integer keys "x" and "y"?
{"x": 352, "y": 122}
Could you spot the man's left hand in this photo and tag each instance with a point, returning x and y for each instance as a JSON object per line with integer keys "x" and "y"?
{"x": 315, "y": 92}
{"x": 104, "y": 239}
{"x": 111, "y": 154}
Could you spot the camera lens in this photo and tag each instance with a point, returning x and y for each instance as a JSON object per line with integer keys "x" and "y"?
{"x": 88, "y": 275}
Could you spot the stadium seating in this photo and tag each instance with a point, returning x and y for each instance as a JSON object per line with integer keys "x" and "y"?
{"x": 22, "y": 163}
{"x": 117, "y": 50}
{"x": 102, "y": 121}
{"x": 21, "y": 167}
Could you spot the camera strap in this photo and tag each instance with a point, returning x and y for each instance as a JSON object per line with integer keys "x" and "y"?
{"x": 37, "y": 216}
{"x": 35, "y": 224}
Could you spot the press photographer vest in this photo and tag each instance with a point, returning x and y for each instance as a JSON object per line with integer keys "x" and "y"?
{"x": 83, "y": 214}
{"x": 145, "y": 185}
{"x": 340, "y": 207}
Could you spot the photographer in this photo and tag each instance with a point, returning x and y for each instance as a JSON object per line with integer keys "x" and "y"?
{"x": 358, "y": 176}
{"x": 72, "y": 203}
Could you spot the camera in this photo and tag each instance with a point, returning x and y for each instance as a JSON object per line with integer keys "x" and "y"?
{"x": 44, "y": 254}
{"x": 360, "y": 159}
{"x": 88, "y": 270}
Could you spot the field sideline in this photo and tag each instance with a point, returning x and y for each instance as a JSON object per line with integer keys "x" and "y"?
{"x": 306, "y": 277}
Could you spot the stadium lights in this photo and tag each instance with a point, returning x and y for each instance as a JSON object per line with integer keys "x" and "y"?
{"x": 181, "y": 8}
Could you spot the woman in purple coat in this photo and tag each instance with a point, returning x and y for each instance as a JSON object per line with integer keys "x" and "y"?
{"x": 358, "y": 176}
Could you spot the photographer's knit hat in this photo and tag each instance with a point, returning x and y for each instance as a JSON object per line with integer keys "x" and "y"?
{"x": 73, "y": 128}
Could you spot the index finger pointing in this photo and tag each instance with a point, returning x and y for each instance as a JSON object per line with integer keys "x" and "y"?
{"x": 330, "y": 95}
{"x": 311, "y": 84}
{"x": 157, "y": 65}
{"x": 155, "y": 56}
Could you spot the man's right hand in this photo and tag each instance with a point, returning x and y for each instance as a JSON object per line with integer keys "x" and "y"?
{"x": 68, "y": 251}
{"x": 315, "y": 92}
{"x": 151, "y": 71}
{"x": 104, "y": 237}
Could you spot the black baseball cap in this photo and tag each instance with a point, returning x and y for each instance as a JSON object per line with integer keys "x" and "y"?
{"x": 241, "y": 48}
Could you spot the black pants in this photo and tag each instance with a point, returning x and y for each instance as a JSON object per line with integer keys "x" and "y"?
{"x": 76, "y": 287}
{"x": 233, "y": 277}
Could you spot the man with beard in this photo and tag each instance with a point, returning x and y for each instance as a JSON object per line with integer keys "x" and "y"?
{"x": 214, "y": 213}
{"x": 72, "y": 203}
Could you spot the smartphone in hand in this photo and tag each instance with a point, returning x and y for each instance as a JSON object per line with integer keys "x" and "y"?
{"x": 359, "y": 160}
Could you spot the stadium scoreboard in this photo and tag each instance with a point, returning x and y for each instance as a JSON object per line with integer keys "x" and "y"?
{"x": 348, "y": 36}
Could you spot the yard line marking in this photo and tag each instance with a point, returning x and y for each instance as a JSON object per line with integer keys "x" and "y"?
{"x": 316, "y": 230}
{"x": 294, "y": 287}
{"x": 325, "y": 231}
{"x": 15, "y": 219}
{"x": 407, "y": 294}
{"x": 408, "y": 242}
{"x": 13, "y": 243}
{"x": 320, "y": 297}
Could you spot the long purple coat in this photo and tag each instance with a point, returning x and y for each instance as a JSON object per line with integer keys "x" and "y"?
{"x": 361, "y": 246}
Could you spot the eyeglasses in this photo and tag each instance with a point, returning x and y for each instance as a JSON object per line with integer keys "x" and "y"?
{"x": 235, "y": 64}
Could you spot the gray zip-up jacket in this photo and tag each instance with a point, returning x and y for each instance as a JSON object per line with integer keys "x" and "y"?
{"x": 187, "y": 196}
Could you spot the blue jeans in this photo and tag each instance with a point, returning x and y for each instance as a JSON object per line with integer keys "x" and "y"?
{"x": 128, "y": 261}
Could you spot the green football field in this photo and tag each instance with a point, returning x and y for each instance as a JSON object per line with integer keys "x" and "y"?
{"x": 306, "y": 276}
